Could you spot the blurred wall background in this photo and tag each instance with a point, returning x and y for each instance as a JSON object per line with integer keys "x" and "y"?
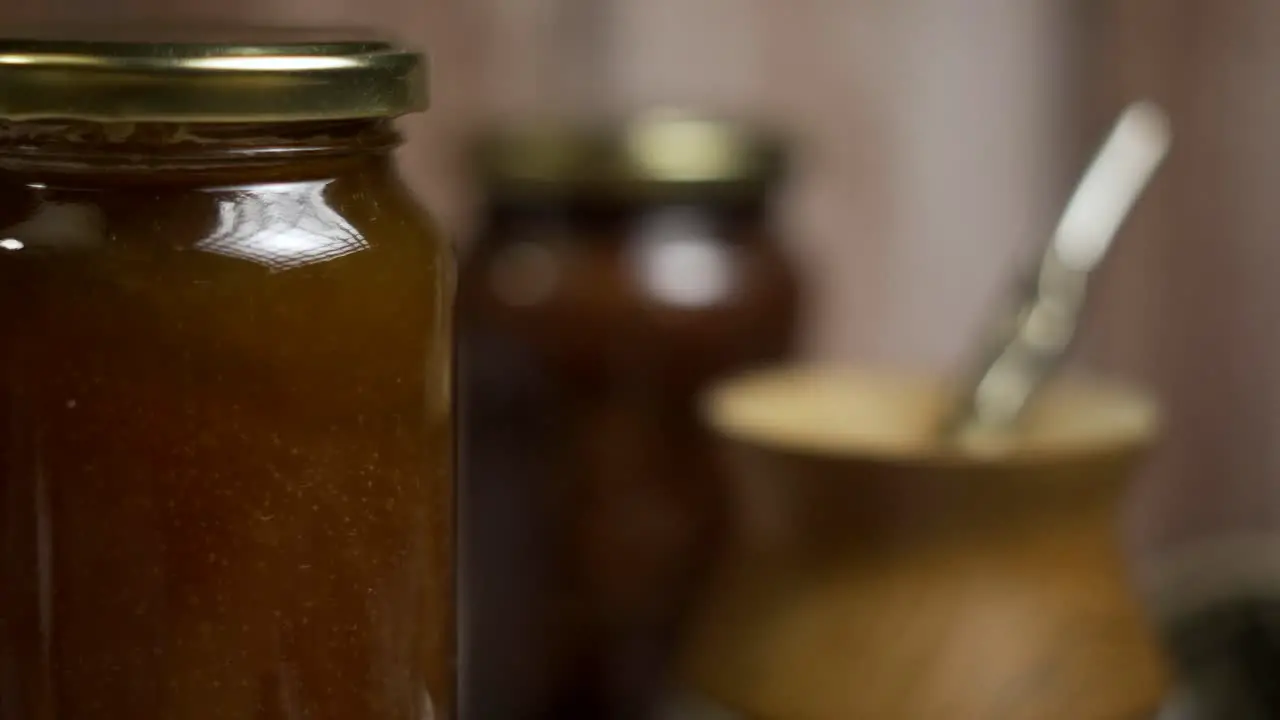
{"x": 936, "y": 141}
{"x": 1188, "y": 301}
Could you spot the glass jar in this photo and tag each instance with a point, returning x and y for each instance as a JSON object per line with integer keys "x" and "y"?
{"x": 225, "y": 386}
{"x": 617, "y": 271}
{"x": 1216, "y": 602}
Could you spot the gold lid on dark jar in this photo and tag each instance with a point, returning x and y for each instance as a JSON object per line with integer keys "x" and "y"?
{"x": 662, "y": 151}
{"x": 211, "y": 77}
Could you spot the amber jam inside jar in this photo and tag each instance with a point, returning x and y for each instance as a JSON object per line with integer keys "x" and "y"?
{"x": 226, "y": 485}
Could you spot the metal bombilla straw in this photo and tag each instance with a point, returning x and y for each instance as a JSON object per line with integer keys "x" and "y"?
{"x": 1027, "y": 343}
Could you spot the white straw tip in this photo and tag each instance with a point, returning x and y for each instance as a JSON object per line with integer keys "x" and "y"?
{"x": 1149, "y": 121}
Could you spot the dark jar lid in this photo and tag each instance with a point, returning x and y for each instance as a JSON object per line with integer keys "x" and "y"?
{"x": 660, "y": 152}
{"x": 230, "y": 75}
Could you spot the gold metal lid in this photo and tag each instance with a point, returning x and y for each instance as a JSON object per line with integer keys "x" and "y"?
{"x": 659, "y": 151}
{"x": 240, "y": 75}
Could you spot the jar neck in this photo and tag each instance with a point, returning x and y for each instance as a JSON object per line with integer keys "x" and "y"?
{"x": 601, "y": 218}
{"x": 81, "y": 147}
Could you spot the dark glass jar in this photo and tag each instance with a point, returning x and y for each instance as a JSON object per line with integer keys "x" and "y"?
{"x": 617, "y": 271}
{"x": 1217, "y": 604}
{"x": 225, "y": 387}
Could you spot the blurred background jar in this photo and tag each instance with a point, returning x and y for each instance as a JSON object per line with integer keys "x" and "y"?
{"x": 618, "y": 269}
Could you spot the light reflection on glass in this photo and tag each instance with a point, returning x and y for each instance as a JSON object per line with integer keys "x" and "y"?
{"x": 681, "y": 263}
{"x": 274, "y": 63}
{"x": 55, "y": 226}
{"x": 282, "y": 226}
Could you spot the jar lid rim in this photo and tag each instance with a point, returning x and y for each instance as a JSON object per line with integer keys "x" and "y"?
{"x": 214, "y": 75}
{"x": 665, "y": 148}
